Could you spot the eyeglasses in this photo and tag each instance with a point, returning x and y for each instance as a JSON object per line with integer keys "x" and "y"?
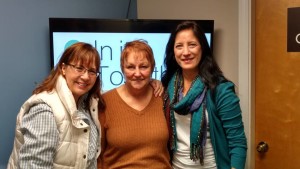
{"x": 81, "y": 70}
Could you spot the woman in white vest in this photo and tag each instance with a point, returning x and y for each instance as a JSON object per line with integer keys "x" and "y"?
{"x": 58, "y": 127}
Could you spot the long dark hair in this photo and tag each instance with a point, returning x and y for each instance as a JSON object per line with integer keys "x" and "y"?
{"x": 208, "y": 69}
{"x": 78, "y": 52}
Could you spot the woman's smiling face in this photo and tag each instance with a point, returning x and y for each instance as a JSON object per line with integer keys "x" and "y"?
{"x": 137, "y": 70}
{"x": 187, "y": 50}
{"x": 78, "y": 78}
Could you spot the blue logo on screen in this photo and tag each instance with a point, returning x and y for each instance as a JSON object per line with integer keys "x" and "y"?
{"x": 70, "y": 42}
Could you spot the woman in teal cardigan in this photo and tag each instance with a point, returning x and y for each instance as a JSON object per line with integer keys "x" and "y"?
{"x": 202, "y": 109}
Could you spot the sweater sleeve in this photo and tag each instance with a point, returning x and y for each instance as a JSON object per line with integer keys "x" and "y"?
{"x": 102, "y": 119}
{"x": 229, "y": 111}
{"x": 40, "y": 138}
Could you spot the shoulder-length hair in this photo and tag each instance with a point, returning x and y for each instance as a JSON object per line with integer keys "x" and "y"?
{"x": 82, "y": 53}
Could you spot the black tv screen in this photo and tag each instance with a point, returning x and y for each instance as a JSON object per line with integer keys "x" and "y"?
{"x": 108, "y": 36}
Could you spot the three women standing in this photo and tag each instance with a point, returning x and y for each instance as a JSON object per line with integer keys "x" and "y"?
{"x": 58, "y": 126}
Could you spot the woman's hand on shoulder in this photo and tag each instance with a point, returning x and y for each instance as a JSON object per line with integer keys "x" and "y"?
{"x": 158, "y": 87}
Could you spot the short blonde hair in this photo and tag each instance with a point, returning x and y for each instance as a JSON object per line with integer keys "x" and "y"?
{"x": 138, "y": 46}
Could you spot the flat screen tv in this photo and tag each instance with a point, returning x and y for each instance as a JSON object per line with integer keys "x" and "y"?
{"x": 109, "y": 37}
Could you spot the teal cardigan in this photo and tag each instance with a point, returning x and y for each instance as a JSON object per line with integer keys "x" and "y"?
{"x": 226, "y": 127}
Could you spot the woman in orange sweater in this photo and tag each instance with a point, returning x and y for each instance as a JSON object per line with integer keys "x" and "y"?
{"x": 134, "y": 129}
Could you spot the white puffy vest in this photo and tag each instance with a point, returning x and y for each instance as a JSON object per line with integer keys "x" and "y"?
{"x": 72, "y": 149}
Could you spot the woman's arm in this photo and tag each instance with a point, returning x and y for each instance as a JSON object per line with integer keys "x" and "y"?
{"x": 229, "y": 111}
{"x": 102, "y": 119}
{"x": 40, "y": 138}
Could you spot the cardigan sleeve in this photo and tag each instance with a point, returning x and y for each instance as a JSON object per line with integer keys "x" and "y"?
{"x": 229, "y": 112}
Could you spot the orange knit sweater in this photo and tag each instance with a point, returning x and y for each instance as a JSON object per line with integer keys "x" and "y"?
{"x": 133, "y": 139}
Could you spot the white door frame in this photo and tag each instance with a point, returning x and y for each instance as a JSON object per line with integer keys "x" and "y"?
{"x": 246, "y": 83}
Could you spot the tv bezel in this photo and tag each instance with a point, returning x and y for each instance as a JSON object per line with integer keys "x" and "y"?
{"x": 120, "y": 26}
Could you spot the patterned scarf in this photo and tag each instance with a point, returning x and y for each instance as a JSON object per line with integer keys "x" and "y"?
{"x": 194, "y": 103}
